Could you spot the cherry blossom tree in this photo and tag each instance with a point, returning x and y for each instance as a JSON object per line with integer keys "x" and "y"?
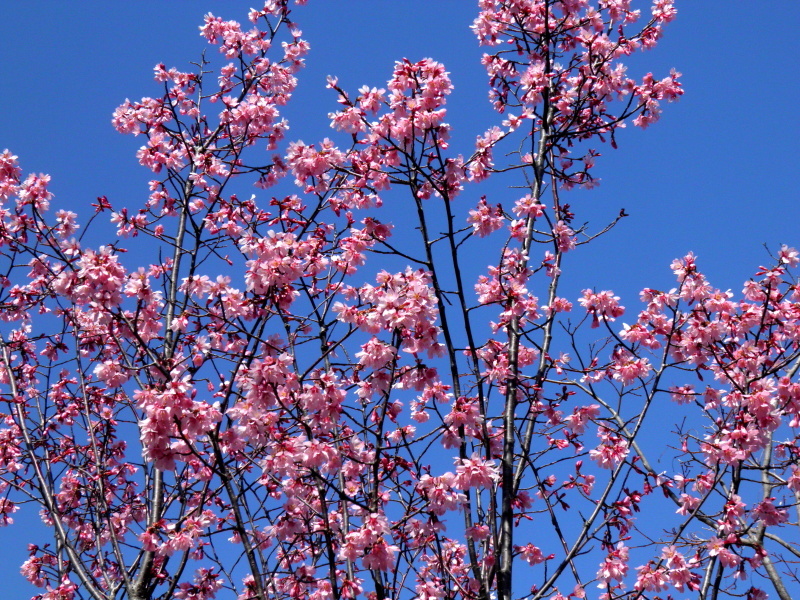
{"x": 256, "y": 404}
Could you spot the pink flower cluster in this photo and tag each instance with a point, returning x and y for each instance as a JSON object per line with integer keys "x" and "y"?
{"x": 173, "y": 420}
{"x": 369, "y": 544}
{"x": 403, "y": 303}
{"x": 580, "y": 87}
{"x": 601, "y": 305}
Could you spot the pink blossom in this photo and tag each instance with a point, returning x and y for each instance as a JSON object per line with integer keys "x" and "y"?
{"x": 688, "y": 504}
{"x": 481, "y": 163}
{"x": 33, "y": 191}
{"x": 615, "y": 566}
{"x": 485, "y": 219}
{"x": 626, "y": 368}
{"x": 113, "y": 374}
{"x": 528, "y": 206}
{"x": 564, "y": 237}
{"x": 612, "y": 450}
{"x": 531, "y": 554}
{"x": 601, "y": 305}
{"x": 682, "y": 394}
{"x": 580, "y": 417}
{"x": 651, "y": 579}
{"x": 440, "y": 492}
{"x": 717, "y": 547}
{"x": 9, "y": 174}
{"x": 370, "y": 99}
{"x": 475, "y": 472}
{"x": 766, "y": 512}
{"x": 350, "y": 120}
{"x": 205, "y": 586}
{"x": 793, "y": 482}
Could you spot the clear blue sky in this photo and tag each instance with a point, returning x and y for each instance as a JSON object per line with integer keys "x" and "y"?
{"x": 717, "y": 175}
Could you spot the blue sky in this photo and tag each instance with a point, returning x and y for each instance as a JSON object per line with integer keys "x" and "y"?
{"x": 716, "y": 176}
